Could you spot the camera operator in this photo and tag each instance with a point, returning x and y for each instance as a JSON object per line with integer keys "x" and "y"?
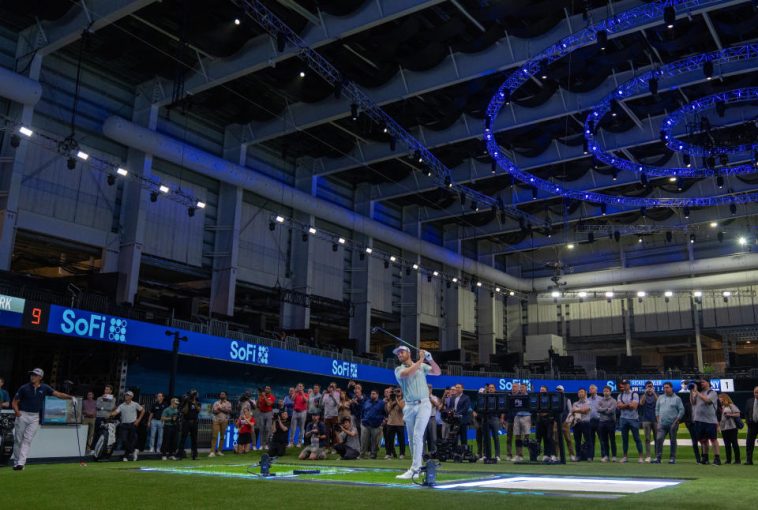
{"x": 393, "y": 407}
{"x": 606, "y": 411}
{"x": 105, "y": 404}
{"x": 627, "y": 402}
{"x": 544, "y": 431}
{"x": 348, "y": 445}
{"x": 751, "y": 414}
{"x": 266, "y": 403}
{"x": 647, "y": 404}
{"x": 28, "y": 403}
{"x": 430, "y": 435}
{"x": 131, "y": 414}
{"x": 315, "y": 438}
{"x": 278, "y": 445}
{"x": 190, "y": 410}
{"x": 222, "y": 411}
{"x": 373, "y": 415}
{"x": 669, "y": 411}
{"x": 704, "y": 405}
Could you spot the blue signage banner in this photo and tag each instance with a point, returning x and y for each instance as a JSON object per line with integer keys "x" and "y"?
{"x": 106, "y": 328}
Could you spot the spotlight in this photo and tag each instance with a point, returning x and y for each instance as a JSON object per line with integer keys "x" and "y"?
{"x": 237, "y": 21}
{"x": 511, "y": 293}
{"x": 652, "y": 85}
{"x": 733, "y": 209}
{"x": 669, "y": 16}
{"x": 455, "y": 280}
{"x": 71, "y": 163}
{"x": 354, "y": 111}
{"x": 82, "y": 155}
{"x": 582, "y": 295}
{"x": 506, "y": 95}
{"x": 415, "y": 267}
{"x": 687, "y": 161}
{"x": 301, "y": 74}
{"x": 25, "y": 131}
{"x": 742, "y": 240}
{"x": 609, "y": 296}
{"x": 341, "y": 240}
{"x": 435, "y": 273}
{"x": 714, "y": 224}
{"x": 570, "y": 246}
{"x": 163, "y": 188}
{"x": 697, "y": 294}
{"x": 692, "y": 238}
{"x": 15, "y": 140}
{"x": 312, "y": 230}
{"x": 111, "y": 179}
{"x": 719, "y": 181}
{"x": 643, "y": 180}
{"x": 726, "y": 294}
{"x": 154, "y": 198}
{"x": 493, "y": 168}
{"x": 585, "y": 148}
{"x": 369, "y": 250}
{"x": 474, "y": 206}
{"x": 478, "y": 284}
{"x": 534, "y": 193}
{"x": 639, "y": 239}
{"x": 640, "y": 295}
{"x": 555, "y": 294}
{"x": 448, "y": 182}
{"x": 122, "y": 172}
{"x": 708, "y": 69}
{"x": 190, "y": 211}
{"x": 602, "y": 39}
{"x": 679, "y": 184}
{"x": 497, "y": 289}
{"x": 279, "y": 219}
{"x": 614, "y": 175}
{"x": 668, "y": 293}
{"x": 393, "y": 258}
{"x": 672, "y": 179}
{"x": 686, "y": 211}
{"x": 200, "y": 205}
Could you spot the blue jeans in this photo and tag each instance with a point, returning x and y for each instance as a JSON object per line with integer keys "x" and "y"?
{"x": 633, "y": 425}
{"x": 155, "y": 439}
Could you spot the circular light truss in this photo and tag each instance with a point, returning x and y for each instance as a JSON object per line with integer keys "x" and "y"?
{"x": 624, "y": 21}
{"x": 696, "y": 107}
{"x": 641, "y": 82}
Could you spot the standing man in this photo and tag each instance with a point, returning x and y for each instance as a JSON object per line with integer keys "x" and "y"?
{"x": 155, "y": 424}
{"x": 508, "y": 423}
{"x": 28, "y": 404}
{"x": 563, "y": 427}
{"x": 411, "y": 376}
{"x": 373, "y": 415}
{"x": 331, "y": 405}
{"x": 222, "y": 411}
{"x": 131, "y": 414}
{"x": 190, "y": 411}
{"x": 593, "y": 399}
{"x": 544, "y": 431}
{"x": 430, "y": 436}
{"x": 581, "y": 411}
{"x": 299, "y": 415}
{"x": 105, "y": 405}
{"x": 669, "y": 411}
{"x": 647, "y": 403}
{"x": 627, "y": 402}
{"x": 266, "y": 407}
{"x": 461, "y": 405}
{"x": 314, "y": 400}
{"x": 522, "y": 427}
{"x": 606, "y": 410}
{"x": 751, "y": 413}
{"x": 89, "y": 416}
{"x": 704, "y": 405}
{"x": 5, "y": 399}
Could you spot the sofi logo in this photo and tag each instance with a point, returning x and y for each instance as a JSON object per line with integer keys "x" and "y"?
{"x": 507, "y": 384}
{"x": 345, "y": 369}
{"x": 250, "y": 353}
{"x": 93, "y": 325}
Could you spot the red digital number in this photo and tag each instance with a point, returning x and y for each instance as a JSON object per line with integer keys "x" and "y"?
{"x": 37, "y": 314}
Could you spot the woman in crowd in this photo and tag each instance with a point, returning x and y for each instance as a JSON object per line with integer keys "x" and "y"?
{"x": 344, "y": 408}
{"x": 728, "y": 428}
{"x": 170, "y": 419}
{"x": 245, "y": 425}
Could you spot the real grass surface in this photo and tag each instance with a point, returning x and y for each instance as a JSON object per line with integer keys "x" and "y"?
{"x": 116, "y": 485}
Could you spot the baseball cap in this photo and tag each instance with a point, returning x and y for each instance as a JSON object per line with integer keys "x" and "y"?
{"x": 400, "y": 348}
{"x": 37, "y": 371}
{"x": 624, "y": 381}
{"x": 559, "y": 387}
{"x": 129, "y": 394}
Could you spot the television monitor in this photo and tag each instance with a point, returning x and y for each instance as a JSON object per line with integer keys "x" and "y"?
{"x": 61, "y": 412}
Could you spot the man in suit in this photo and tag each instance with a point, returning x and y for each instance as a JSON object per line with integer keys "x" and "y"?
{"x": 751, "y": 412}
{"x": 461, "y": 405}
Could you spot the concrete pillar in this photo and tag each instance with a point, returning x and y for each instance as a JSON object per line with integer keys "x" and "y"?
{"x": 12, "y": 172}
{"x": 227, "y": 230}
{"x": 696, "y": 317}
{"x": 487, "y": 306}
{"x": 360, "y": 322}
{"x": 450, "y": 331}
{"x": 410, "y": 317}
{"x": 626, "y": 304}
{"x": 134, "y": 206}
{"x": 295, "y": 316}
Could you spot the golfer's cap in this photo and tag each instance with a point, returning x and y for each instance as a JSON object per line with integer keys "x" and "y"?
{"x": 625, "y": 381}
{"x": 37, "y": 371}
{"x": 559, "y": 387}
{"x": 129, "y": 394}
{"x": 400, "y": 348}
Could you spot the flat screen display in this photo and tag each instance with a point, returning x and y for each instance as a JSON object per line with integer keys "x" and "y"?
{"x": 61, "y": 412}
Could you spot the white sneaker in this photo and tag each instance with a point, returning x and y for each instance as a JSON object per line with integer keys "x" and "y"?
{"x": 125, "y": 459}
{"x": 173, "y": 457}
{"x": 497, "y": 459}
{"x": 220, "y": 454}
{"x": 647, "y": 459}
{"x": 290, "y": 445}
{"x": 613, "y": 459}
{"x": 623, "y": 460}
{"x": 386, "y": 457}
{"x": 164, "y": 458}
{"x": 150, "y": 451}
{"x": 553, "y": 458}
{"x": 134, "y": 455}
{"x": 211, "y": 454}
{"x": 640, "y": 461}
{"x": 401, "y": 457}
{"x": 573, "y": 458}
{"x": 604, "y": 459}
{"x": 407, "y": 475}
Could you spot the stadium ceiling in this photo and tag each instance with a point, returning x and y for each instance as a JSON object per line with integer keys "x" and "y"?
{"x": 433, "y": 65}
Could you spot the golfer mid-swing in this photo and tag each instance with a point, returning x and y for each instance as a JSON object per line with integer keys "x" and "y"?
{"x": 411, "y": 376}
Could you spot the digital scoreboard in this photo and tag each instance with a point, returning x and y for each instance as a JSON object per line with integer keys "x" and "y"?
{"x": 19, "y": 313}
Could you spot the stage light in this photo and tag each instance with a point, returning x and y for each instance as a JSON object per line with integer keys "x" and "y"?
{"x": 448, "y": 182}
{"x": 122, "y": 172}
{"x": 614, "y": 175}
{"x": 639, "y": 239}
{"x": 602, "y": 39}
{"x": 652, "y": 85}
{"x": 341, "y": 240}
{"x": 687, "y": 162}
{"x": 369, "y": 250}
{"x": 493, "y": 166}
{"x": 742, "y": 240}
{"x": 511, "y": 293}
{"x": 692, "y": 238}
{"x": 714, "y": 224}
{"x": 415, "y": 267}
{"x": 312, "y": 230}
{"x": 237, "y": 21}
{"x": 643, "y": 180}
{"x": 708, "y": 69}
{"x": 570, "y": 246}
{"x": 585, "y": 148}
{"x": 726, "y": 293}
{"x": 674, "y": 179}
{"x": 543, "y": 68}
{"x": 686, "y": 211}
{"x": 555, "y": 294}
{"x": 82, "y": 155}
{"x": 669, "y": 16}
{"x": 163, "y": 188}
{"x": 25, "y": 131}
{"x": 435, "y": 273}
{"x": 668, "y": 293}
{"x": 641, "y": 294}
{"x": 393, "y": 258}
{"x": 478, "y": 284}
{"x": 603, "y": 209}
{"x": 609, "y": 296}
{"x": 455, "y": 280}
{"x": 279, "y": 219}
{"x": 582, "y": 295}
{"x": 497, "y": 289}
{"x": 697, "y": 294}
{"x": 534, "y": 193}
{"x": 302, "y": 74}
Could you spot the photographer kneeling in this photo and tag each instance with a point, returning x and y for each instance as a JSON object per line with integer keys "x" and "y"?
{"x": 278, "y": 444}
{"x": 349, "y": 445}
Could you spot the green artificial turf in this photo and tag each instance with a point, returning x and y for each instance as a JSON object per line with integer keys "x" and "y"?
{"x": 117, "y": 485}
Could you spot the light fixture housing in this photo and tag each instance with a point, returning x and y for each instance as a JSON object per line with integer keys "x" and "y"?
{"x": 341, "y": 240}
{"x": 25, "y": 131}
{"x": 123, "y": 172}
{"x": 279, "y": 219}
{"x": 163, "y": 188}
{"x": 312, "y": 230}
{"x": 82, "y": 155}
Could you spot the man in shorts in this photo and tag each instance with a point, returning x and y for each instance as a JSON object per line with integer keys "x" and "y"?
{"x": 704, "y": 405}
